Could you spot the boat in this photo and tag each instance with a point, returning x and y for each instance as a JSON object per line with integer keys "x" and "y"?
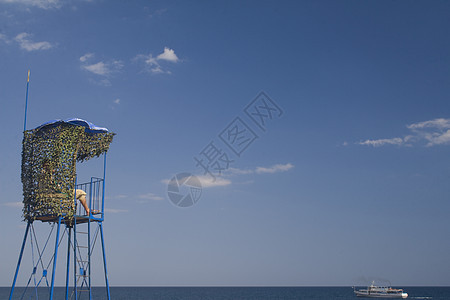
{"x": 374, "y": 291}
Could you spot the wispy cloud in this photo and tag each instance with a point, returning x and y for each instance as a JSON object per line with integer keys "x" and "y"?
{"x": 208, "y": 181}
{"x": 100, "y": 68}
{"x": 115, "y": 103}
{"x": 440, "y": 123}
{"x": 27, "y": 44}
{"x": 87, "y": 56}
{"x": 236, "y": 171}
{"x": 263, "y": 170}
{"x": 153, "y": 64}
{"x": 44, "y": 4}
{"x": 275, "y": 168}
{"x": 150, "y": 63}
{"x": 150, "y": 196}
{"x": 431, "y": 133}
{"x": 381, "y": 142}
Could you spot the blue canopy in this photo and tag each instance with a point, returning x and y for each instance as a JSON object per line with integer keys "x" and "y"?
{"x": 90, "y": 128}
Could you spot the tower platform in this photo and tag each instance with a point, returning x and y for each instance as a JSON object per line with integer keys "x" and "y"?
{"x": 78, "y": 219}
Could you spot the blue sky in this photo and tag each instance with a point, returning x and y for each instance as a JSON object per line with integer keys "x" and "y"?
{"x": 351, "y": 181}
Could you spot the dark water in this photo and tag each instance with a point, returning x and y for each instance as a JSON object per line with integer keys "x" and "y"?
{"x": 226, "y": 293}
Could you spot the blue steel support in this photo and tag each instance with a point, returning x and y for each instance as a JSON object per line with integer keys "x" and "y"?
{"x": 104, "y": 260}
{"x": 26, "y": 103}
{"x": 75, "y": 258}
{"x": 90, "y": 197}
{"x": 89, "y": 255}
{"x": 68, "y": 264}
{"x": 103, "y": 190}
{"x": 55, "y": 258}
{"x": 20, "y": 259}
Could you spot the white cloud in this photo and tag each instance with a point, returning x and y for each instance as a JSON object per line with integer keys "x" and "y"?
{"x": 438, "y": 138}
{"x": 151, "y": 196}
{"x": 45, "y": 4}
{"x": 262, "y": 170}
{"x": 381, "y": 142}
{"x": 432, "y": 132}
{"x": 117, "y": 101}
{"x": 101, "y": 68}
{"x": 87, "y": 56}
{"x": 25, "y": 43}
{"x": 436, "y": 123}
{"x": 153, "y": 64}
{"x": 208, "y": 181}
{"x": 236, "y": 171}
{"x": 168, "y": 55}
{"x": 275, "y": 168}
{"x": 436, "y": 132}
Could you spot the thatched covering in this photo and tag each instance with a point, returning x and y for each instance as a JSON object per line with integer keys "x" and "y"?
{"x": 49, "y": 157}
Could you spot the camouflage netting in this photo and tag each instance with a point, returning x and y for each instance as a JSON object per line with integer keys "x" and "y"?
{"x": 49, "y": 157}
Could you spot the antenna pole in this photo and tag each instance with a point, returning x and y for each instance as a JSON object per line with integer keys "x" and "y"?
{"x": 26, "y": 103}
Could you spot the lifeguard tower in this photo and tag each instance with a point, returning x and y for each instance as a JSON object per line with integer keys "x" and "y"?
{"x": 52, "y": 195}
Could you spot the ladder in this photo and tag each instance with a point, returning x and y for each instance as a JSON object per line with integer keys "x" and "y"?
{"x": 83, "y": 248}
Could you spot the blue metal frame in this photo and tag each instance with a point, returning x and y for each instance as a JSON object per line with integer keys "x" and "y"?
{"x": 73, "y": 232}
{"x": 89, "y": 252}
{"x": 104, "y": 261}
{"x": 55, "y": 258}
{"x": 75, "y": 258}
{"x": 20, "y": 259}
{"x": 29, "y": 221}
{"x": 26, "y": 103}
{"x": 103, "y": 192}
{"x": 62, "y": 218}
{"x": 101, "y": 228}
{"x": 68, "y": 263}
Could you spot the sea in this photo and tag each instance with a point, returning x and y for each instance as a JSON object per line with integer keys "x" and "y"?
{"x": 220, "y": 293}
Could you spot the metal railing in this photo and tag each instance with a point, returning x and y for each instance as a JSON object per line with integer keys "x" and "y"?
{"x": 94, "y": 196}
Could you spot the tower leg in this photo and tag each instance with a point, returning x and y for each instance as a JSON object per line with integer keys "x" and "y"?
{"x": 54, "y": 258}
{"x": 75, "y": 243}
{"x": 20, "y": 259}
{"x": 68, "y": 264}
{"x": 89, "y": 253}
{"x": 104, "y": 260}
